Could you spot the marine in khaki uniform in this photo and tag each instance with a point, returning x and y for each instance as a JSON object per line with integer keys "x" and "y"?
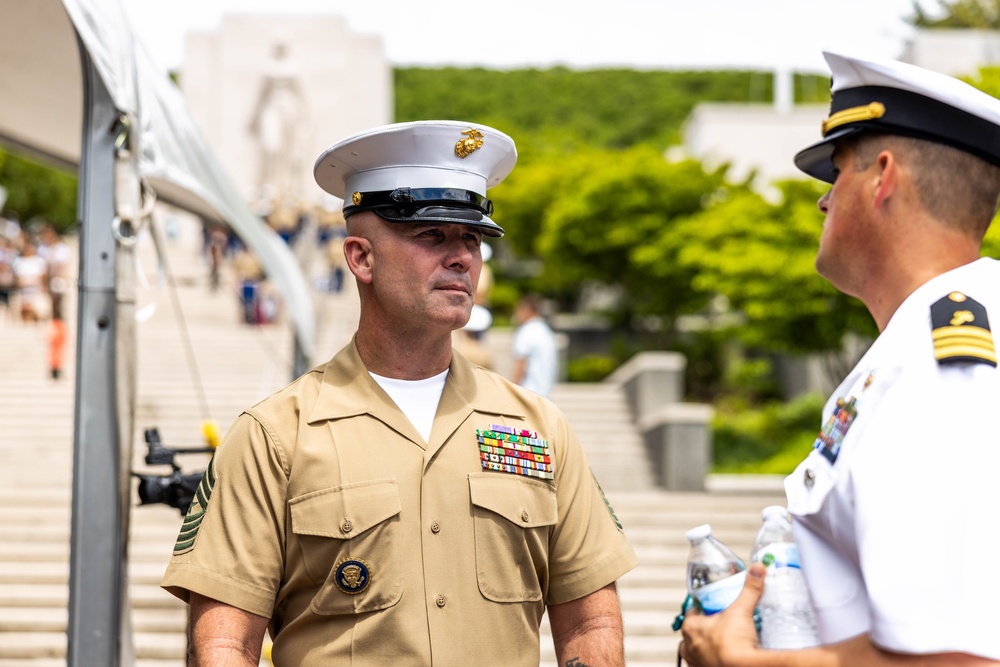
{"x": 400, "y": 505}
{"x": 895, "y": 509}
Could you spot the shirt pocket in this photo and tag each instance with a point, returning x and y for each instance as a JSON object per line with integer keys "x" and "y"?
{"x": 354, "y": 522}
{"x": 514, "y": 517}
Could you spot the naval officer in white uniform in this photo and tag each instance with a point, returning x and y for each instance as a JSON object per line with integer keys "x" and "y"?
{"x": 896, "y": 508}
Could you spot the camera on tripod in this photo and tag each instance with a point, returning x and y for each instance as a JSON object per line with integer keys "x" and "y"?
{"x": 176, "y": 489}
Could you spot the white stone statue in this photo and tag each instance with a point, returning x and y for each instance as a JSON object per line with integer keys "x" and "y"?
{"x": 278, "y": 126}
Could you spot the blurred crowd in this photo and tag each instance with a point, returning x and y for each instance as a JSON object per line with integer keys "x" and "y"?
{"x": 35, "y": 271}
{"x": 314, "y": 234}
{"x": 35, "y": 275}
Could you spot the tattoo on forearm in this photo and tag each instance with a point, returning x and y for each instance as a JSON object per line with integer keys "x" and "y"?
{"x": 575, "y": 662}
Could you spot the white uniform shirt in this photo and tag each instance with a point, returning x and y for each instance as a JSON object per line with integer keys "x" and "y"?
{"x": 535, "y": 342}
{"x": 899, "y": 534}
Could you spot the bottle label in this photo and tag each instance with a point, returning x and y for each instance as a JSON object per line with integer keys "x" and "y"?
{"x": 780, "y": 554}
{"x": 718, "y": 595}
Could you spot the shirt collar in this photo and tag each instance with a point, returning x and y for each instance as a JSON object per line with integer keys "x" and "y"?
{"x": 348, "y": 390}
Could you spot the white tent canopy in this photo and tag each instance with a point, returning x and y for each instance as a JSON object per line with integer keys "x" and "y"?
{"x": 41, "y": 111}
{"x": 75, "y": 84}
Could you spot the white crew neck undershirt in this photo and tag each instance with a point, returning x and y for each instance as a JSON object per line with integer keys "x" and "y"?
{"x": 418, "y": 399}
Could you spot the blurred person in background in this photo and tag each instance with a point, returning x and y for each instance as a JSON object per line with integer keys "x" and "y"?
{"x": 536, "y": 357}
{"x": 31, "y": 275}
{"x": 469, "y": 339}
{"x": 7, "y": 283}
{"x": 58, "y": 256}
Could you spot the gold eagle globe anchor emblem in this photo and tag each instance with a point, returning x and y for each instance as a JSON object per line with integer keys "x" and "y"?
{"x": 470, "y": 144}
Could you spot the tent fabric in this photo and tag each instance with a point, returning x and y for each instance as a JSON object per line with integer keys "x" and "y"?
{"x": 42, "y": 111}
{"x": 41, "y": 80}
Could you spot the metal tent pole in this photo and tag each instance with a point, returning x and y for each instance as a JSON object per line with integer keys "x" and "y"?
{"x": 98, "y": 541}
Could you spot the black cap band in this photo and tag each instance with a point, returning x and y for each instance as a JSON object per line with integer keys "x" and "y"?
{"x": 923, "y": 117}
{"x": 413, "y": 198}
{"x": 900, "y": 112}
{"x": 447, "y": 205}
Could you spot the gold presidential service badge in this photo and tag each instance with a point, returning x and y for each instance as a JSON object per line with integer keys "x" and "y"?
{"x": 352, "y": 576}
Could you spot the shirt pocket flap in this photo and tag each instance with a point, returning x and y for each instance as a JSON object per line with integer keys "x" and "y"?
{"x": 347, "y": 511}
{"x": 524, "y": 502}
{"x": 806, "y": 489}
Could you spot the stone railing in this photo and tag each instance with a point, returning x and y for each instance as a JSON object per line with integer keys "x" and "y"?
{"x": 677, "y": 435}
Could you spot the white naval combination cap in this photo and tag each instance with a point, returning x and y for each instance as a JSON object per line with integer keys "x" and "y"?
{"x": 424, "y": 171}
{"x": 897, "y": 98}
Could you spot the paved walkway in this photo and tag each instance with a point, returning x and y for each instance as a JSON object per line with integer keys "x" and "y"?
{"x": 238, "y": 364}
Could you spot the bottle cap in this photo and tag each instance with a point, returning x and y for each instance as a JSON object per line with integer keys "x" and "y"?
{"x": 699, "y": 532}
{"x": 774, "y": 511}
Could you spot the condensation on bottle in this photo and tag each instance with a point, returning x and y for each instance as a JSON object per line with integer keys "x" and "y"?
{"x": 787, "y": 620}
{"x": 715, "y": 574}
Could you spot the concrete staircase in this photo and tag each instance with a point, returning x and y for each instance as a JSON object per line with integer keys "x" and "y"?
{"x": 236, "y": 365}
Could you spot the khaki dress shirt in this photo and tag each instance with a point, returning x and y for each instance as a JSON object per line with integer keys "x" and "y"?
{"x": 325, "y": 511}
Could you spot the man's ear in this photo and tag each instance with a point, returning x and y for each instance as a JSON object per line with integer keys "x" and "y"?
{"x": 886, "y": 178}
{"x": 358, "y": 252}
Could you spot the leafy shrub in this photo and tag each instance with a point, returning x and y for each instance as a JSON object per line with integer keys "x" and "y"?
{"x": 771, "y": 438}
{"x": 590, "y": 368}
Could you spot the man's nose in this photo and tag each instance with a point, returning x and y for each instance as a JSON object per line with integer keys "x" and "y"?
{"x": 460, "y": 254}
{"x": 823, "y": 202}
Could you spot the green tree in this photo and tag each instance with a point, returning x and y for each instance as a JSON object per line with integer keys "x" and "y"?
{"x": 760, "y": 256}
{"x": 981, "y": 14}
{"x": 523, "y": 198}
{"x": 557, "y": 112}
{"x": 670, "y": 236}
{"x": 601, "y": 217}
{"x": 37, "y": 191}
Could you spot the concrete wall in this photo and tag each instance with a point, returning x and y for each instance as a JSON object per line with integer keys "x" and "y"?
{"x": 957, "y": 52}
{"x": 753, "y": 136}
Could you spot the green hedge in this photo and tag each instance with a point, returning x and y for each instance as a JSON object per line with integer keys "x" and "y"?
{"x": 768, "y": 439}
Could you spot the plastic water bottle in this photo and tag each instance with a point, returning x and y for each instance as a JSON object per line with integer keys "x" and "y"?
{"x": 786, "y": 616}
{"x": 715, "y": 574}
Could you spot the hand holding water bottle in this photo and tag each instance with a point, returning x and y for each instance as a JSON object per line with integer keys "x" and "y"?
{"x": 729, "y": 637}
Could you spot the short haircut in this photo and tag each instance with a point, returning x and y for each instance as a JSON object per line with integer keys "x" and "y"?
{"x": 955, "y": 187}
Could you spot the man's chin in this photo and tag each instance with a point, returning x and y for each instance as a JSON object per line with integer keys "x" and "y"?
{"x": 454, "y": 315}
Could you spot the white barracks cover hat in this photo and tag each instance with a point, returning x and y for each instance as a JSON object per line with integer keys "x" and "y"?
{"x": 425, "y": 171}
{"x": 897, "y": 98}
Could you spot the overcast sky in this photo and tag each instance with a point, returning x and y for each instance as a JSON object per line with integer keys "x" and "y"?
{"x": 577, "y": 33}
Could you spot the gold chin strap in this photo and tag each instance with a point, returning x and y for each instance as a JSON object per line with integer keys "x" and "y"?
{"x": 853, "y": 115}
